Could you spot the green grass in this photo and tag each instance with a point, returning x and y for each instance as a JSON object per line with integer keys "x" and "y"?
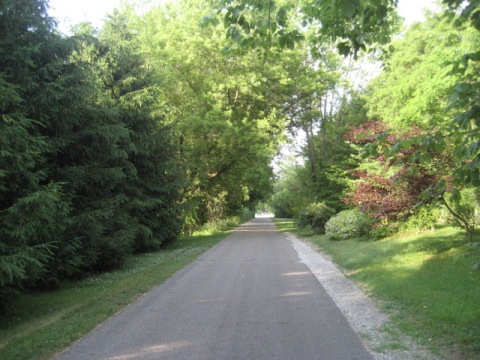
{"x": 288, "y": 225}
{"x": 285, "y": 225}
{"x": 45, "y": 323}
{"x": 425, "y": 280}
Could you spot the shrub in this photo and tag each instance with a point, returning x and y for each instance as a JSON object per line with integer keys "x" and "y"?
{"x": 347, "y": 224}
{"x": 304, "y": 218}
{"x": 424, "y": 218}
{"x": 245, "y": 214}
{"x": 383, "y": 230}
{"x": 464, "y": 211}
{"x": 315, "y": 215}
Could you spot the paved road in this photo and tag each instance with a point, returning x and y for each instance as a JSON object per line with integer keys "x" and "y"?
{"x": 247, "y": 298}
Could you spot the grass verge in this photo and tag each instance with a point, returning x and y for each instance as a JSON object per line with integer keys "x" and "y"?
{"x": 45, "y": 323}
{"x": 425, "y": 280}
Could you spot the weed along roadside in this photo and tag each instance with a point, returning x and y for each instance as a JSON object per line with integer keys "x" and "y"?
{"x": 45, "y": 323}
{"x": 423, "y": 281}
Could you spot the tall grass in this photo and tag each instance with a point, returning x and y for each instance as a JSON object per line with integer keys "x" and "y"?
{"x": 45, "y": 323}
{"x": 425, "y": 280}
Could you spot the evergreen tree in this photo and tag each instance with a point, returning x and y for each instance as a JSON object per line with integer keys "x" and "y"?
{"x": 33, "y": 212}
{"x": 153, "y": 184}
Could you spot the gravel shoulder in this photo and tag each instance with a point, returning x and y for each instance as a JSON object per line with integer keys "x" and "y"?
{"x": 375, "y": 329}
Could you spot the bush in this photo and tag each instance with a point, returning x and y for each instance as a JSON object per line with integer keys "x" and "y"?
{"x": 347, "y": 224}
{"x": 245, "y": 214}
{"x": 315, "y": 215}
{"x": 384, "y": 230}
{"x": 424, "y": 218}
{"x": 464, "y": 211}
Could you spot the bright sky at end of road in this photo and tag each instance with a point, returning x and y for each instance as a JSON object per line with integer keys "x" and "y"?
{"x": 70, "y": 12}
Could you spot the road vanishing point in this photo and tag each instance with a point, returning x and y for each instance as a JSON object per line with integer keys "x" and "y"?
{"x": 249, "y": 297}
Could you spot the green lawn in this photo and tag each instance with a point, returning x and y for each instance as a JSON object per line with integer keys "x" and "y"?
{"x": 45, "y": 323}
{"x": 425, "y": 280}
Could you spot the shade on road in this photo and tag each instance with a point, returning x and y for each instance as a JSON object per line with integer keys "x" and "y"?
{"x": 249, "y": 297}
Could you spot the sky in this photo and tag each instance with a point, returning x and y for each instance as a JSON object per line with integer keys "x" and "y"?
{"x": 70, "y": 12}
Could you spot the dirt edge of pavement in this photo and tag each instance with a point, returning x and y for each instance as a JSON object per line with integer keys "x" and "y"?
{"x": 384, "y": 340}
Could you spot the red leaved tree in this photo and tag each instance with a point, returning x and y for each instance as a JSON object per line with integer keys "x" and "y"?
{"x": 388, "y": 197}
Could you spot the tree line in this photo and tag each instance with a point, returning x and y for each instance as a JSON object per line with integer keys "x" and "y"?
{"x": 403, "y": 148}
{"x": 116, "y": 140}
{"x": 88, "y": 165}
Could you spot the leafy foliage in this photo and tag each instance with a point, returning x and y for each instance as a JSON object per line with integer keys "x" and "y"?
{"x": 424, "y": 217}
{"x": 226, "y": 110}
{"x": 347, "y": 224}
{"x": 152, "y": 212}
{"x": 315, "y": 215}
{"x": 414, "y": 89}
{"x": 352, "y": 25}
{"x": 464, "y": 99}
{"x": 292, "y": 192}
{"x": 393, "y": 197}
{"x": 88, "y": 171}
{"x": 32, "y": 209}
{"x": 463, "y": 213}
{"x": 383, "y": 198}
{"x": 446, "y": 147}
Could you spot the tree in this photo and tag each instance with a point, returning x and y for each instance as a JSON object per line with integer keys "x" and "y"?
{"x": 466, "y": 124}
{"x": 33, "y": 210}
{"x": 309, "y": 105}
{"x": 354, "y": 26}
{"x": 152, "y": 187}
{"x": 415, "y": 87}
{"x": 393, "y": 193}
{"x": 321, "y": 107}
{"x": 335, "y": 155}
{"x": 351, "y": 25}
{"x": 292, "y": 192}
{"x": 226, "y": 109}
{"x": 419, "y": 88}
{"x": 88, "y": 167}
{"x": 451, "y": 75}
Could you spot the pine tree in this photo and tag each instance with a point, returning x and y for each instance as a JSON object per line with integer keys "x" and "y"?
{"x": 152, "y": 186}
{"x": 33, "y": 213}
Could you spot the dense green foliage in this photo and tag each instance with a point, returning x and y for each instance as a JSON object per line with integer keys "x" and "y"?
{"x": 415, "y": 89}
{"x": 418, "y": 153}
{"x": 88, "y": 167}
{"x": 291, "y": 192}
{"x": 225, "y": 110}
{"x": 351, "y": 25}
{"x": 315, "y": 215}
{"x": 421, "y": 87}
{"x": 32, "y": 206}
{"x": 347, "y": 224}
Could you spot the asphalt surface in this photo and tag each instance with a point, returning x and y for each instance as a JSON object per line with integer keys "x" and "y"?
{"x": 249, "y": 297}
